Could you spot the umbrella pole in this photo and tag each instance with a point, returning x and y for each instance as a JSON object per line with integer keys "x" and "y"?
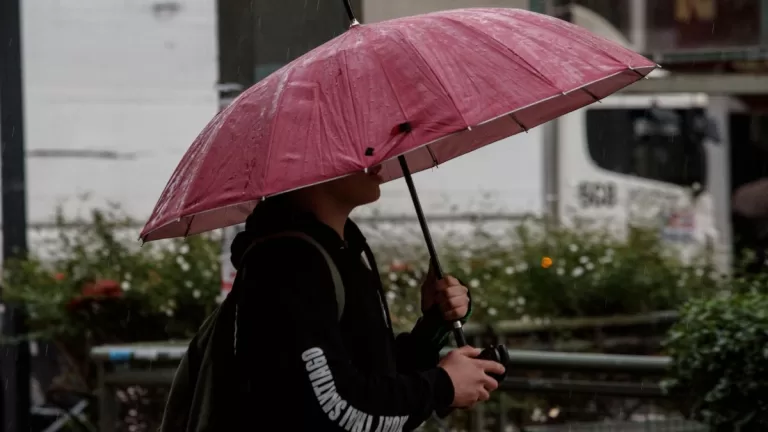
{"x": 458, "y": 332}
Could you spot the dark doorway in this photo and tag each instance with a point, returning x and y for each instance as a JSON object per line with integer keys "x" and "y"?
{"x": 749, "y": 163}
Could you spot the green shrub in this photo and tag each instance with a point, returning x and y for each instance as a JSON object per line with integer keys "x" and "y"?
{"x": 99, "y": 285}
{"x": 537, "y": 273}
{"x": 719, "y": 349}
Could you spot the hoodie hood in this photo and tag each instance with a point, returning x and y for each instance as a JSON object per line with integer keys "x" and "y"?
{"x": 276, "y": 215}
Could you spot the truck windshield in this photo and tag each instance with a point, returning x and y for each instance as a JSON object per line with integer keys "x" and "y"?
{"x": 658, "y": 144}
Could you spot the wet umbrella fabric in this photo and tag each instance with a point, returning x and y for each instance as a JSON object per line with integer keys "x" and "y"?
{"x": 428, "y": 87}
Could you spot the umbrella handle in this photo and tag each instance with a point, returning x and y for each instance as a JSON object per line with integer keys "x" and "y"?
{"x": 458, "y": 331}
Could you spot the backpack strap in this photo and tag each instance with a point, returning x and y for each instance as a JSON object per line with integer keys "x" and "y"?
{"x": 338, "y": 283}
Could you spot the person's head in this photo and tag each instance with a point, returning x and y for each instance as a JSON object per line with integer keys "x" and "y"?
{"x": 337, "y": 198}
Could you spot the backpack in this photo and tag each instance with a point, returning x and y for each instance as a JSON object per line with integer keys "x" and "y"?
{"x": 338, "y": 284}
{"x": 190, "y": 406}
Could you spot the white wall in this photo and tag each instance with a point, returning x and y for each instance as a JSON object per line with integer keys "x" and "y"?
{"x": 135, "y": 77}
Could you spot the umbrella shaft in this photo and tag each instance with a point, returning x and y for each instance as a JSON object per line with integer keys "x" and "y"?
{"x": 348, "y": 7}
{"x": 420, "y": 215}
{"x": 457, "y": 330}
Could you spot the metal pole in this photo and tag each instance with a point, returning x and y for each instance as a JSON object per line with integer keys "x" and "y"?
{"x": 458, "y": 332}
{"x": 15, "y": 362}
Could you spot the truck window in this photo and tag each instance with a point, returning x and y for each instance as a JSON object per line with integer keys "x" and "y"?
{"x": 658, "y": 144}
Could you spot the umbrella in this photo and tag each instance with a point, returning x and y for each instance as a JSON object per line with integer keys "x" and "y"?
{"x": 407, "y": 94}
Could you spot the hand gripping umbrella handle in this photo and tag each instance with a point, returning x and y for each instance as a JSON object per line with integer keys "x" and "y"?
{"x": 458, "y": 332}
{"x": 497, "y": 353}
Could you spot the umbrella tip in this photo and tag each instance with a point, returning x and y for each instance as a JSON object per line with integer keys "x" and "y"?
{"x": 354, "y": 23}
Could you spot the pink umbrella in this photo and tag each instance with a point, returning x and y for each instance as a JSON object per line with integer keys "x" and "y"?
{"x": 409, "y": 94}
{"x": 431, "y": 87}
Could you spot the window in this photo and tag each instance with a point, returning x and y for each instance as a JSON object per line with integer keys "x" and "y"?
{"x": 658, "y": 144}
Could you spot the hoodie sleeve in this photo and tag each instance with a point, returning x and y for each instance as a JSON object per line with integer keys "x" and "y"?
{"x": 420, "y": 349}
{"x": 335, "y": 393}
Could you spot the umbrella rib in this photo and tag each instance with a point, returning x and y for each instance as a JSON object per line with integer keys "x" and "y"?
{"x": 351, "y": 96}
{"x": 434, "y": 74}
{"x": 278, "y": 107}
{"x": 537, "y": 72}
{"x": 432, "y": 154}
{"x": 391, "y": 86}
{"x": 189, "y": 225}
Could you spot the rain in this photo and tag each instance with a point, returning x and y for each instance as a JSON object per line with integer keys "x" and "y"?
{"x": 576, "y": 188}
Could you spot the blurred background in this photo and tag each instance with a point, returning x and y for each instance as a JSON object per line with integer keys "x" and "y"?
{"x": 619, "y": 250}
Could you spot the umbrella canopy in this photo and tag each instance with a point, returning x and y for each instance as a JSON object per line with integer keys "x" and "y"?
{"x": 430, "y": 87}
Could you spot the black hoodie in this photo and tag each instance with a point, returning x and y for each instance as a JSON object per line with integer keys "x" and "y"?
{"x": 300, "y": 367}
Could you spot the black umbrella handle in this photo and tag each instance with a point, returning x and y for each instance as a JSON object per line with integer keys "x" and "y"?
{"x": 458, "y": 332}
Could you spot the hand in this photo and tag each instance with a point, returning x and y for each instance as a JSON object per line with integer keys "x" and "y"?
{"x": 471, "y": 383}
{"x": 448, "y": 292}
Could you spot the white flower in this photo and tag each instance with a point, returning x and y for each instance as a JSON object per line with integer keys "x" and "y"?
{"x": 412, "y": 282}
{"x": 184, "y": 249}
{"x": 196, "y": 294}
{"x": 578, "y": 271}
{"x": 182, "y": 263}
{"x": 492, "y": 312}
{"x": 474, "y": 283}
{"x": 573, "y": 248}
{"x": 560, "y": 271}
{"x": 606, "y": 259}
{"x": 521, "y": 301}
{"x": 590, "y": 266}
{"x": 393, "y": 276}
{"x": 188, "y": 283}
{"x": 391, "y": 296}
{"x": 509, "y": 270}
{"x": 584, "y": 259}
{"x": 522, "y": 267}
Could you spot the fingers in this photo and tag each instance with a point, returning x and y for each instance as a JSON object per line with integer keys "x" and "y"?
{"x": 452, "y": 291}
{"x": 489, "y": 383}
{"x": 483, "y": 395}
{"x": 454, "y": 308}
{"x": 447, "y": 282}
{"x": 455, "y": 314}
{"x": 468, "y": 351}
{"x": 490, "y": 366}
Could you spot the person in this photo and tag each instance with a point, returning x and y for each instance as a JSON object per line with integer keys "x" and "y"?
{"x": 297, "y": 365}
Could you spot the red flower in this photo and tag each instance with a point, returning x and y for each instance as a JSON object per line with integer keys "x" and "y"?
{"x": 399, "y": 266}
{"x": 99, "y": 289}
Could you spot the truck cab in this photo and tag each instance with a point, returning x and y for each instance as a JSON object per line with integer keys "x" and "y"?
{"x": 642, "y": 160}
